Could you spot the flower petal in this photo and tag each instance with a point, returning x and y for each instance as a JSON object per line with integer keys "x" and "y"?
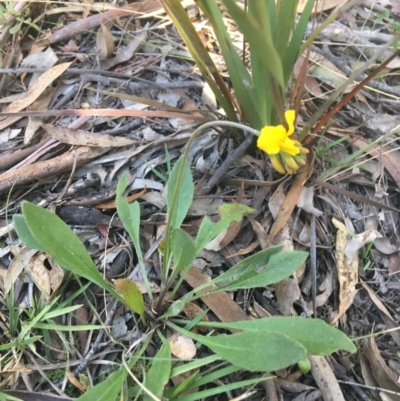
{"x": 277, "y": 164}
{"x": 270, "y": 139}
{"x": 290, "y": 116}
{"x": 289, "y": 146}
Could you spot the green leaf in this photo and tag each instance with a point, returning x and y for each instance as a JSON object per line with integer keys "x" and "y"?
{"x": 179, "y": 193}
{"x": 285, "y": 14}
{"x": 243, "y": 83}
{"x": 107, "y": 390}
{"x": 183, "y": 250}
{"x": 128, "y": 213}
{"x": 256, "y": 261}
{"x": 258, "y": 34}
{"x": 159, "y": 372}
{"x": 24, "y": 234}
{"x": 130, "y": 217}
{"x": 57, "y": 239}
{"x": 255, "y": 350}
{"x": 318, "y": 337}
{"x": 280, "y": 266}
{"x": 293, "y": 50}
{"x": 200, "y": 55}
{"x": 131, "y": 294}
{"x": 209, "y": 230}
{"x": 8, "y": 397}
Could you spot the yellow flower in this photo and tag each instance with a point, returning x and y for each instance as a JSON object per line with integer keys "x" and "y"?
{"x": 272, "y": 139}
{"x": 286, "y": 154}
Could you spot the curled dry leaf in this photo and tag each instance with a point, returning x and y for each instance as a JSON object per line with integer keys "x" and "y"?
{"x": 84, "y": 138}
{"x": 126, "y": 53}
{"x": 358, "y": 241}
{"x": 47, "y": 280}
{"x": 306, "y": 202}
{"x": 181, "y": 346}
{"x": 347, "y": 270}
{"x": 325, "y": 379}
{"x": 385, "y": 246}
{"x": 21, "y": 259}
{"x": 385, "y": 377}
{"x": 104, "y": 42}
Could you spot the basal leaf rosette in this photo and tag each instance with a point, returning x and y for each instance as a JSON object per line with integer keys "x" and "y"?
{"x": 286, "y": 154}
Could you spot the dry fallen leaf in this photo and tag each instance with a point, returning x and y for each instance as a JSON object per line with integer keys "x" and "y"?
{"x": 104, "y": 42}
{"x": 306, "y": 202}
{"x": 224, "y": 307}
{"x": 37, "y": 88}
{"x": 289, "y": 204}
{"x": 325, "y": 378}
{"x": 347, "y": 270}
{"x": 386, "y": 378}
{"x": 47, "y": 280}
{"x": 358, "y": 241}
{"x": 21, "y": 259}
{"x": 127, "y": 52}
{"x": 85, "y": 138}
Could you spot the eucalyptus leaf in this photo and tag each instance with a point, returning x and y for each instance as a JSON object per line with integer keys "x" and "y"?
{"x": 57, "y": 239}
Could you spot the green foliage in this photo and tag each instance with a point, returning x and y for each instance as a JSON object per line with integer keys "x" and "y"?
{"x": 8, "y": 11}
{"x": 318, "y": 337}
{"x": 260, "y": 345}
{"x": 159, "y": 372}
{"x": 107, "y": 390}
{"x": 275, "y": 41}
{"x": 40, "y": 229}
{"x": 133, "y": 298}
{"x": 179, "y": 193}
{"x": 7, "y": 397}
{"x": 273, "y": 343}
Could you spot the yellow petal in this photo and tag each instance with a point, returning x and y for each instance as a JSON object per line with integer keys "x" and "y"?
{"x": 270, "y": 138}
{"x": 277, "y": 164}
{"x": 290, "y": 116}
{"x": 289, "y": 146}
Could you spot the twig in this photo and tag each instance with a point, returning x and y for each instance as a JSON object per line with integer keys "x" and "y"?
{"x": 221, "y": 170}
{"x": 97, "y": 344}
{"x": 108, "y": 81}
{"x": 338, "y": 63}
